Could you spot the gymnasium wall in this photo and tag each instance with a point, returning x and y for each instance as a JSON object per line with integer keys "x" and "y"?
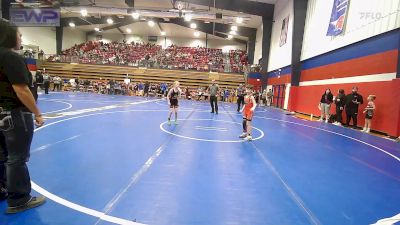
{"x": 370, "y": 64}
{"x": 45, "y": 37}
{"x": 387, "y": 116}
{"x": 72, "y": 36}
{"x": 280, "y": 56}
{"x": 365, "y": 19}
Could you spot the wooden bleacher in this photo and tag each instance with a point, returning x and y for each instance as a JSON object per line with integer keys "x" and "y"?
{"x": 191, "y": 79}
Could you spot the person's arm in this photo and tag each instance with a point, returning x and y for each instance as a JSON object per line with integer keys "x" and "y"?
{"x": 244, "y": 105}
{"x": 254, "y": 103}
{"x": 26, "y": 97}
{"x": 330, "y": 98}
{"x": 179, "y": 93}
{"x": 168, "y": 96}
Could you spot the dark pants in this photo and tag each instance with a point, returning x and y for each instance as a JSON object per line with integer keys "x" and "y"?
{"x": 339, "y": 115}
{"x": 214, "y": 104}
{"x": 14, "y": 153}
{"x": 56, "y": 87}
{"x": 351, "y": 114}
{"x": 3, "y": 160}
{"x": 46, "y": 87}
{"x": 240, "y": 102}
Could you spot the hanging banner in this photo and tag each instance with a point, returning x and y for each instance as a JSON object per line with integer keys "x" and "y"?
{"x": 40, "y": 17}
{"x": 338, "y": 17}
{"x": 284, "y": 31}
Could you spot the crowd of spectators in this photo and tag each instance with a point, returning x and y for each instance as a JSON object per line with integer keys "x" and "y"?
{"x": 151, "y": 55}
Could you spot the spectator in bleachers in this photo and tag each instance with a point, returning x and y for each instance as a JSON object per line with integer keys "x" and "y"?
{"x": 173, "y": 57}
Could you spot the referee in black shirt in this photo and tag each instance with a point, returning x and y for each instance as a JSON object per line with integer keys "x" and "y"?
{"x": 17, "y": 105}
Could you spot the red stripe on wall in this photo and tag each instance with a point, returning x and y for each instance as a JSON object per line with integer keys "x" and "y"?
{"x": 32, "y": 67}
{"x": 385, "y": 62}
{"x": 284, "y": 79}
{"x": 256, "y": 84}
{"x": 305, "y": 99}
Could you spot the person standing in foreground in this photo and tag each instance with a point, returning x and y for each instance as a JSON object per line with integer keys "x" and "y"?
{"x": 172, "y": 99}
{"x": 353, "y": 100}
{"x": 248, "y": 112}
{"x": 213, "y": 90}
{"x": 16, "y": 128}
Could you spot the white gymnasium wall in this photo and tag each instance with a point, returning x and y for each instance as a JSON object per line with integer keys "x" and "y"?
{"x": 43, "y": 37}
{"x": 108, "y": 37}
{"x": 365, "y": 18}
{"x": 280, "y": 56}
{"x": 259, "y": 41}
{"x": 72, "y": 36}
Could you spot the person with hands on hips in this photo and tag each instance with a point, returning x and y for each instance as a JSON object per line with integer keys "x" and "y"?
{"x": 248, "y": 112}
{"x": 17, "y": 104}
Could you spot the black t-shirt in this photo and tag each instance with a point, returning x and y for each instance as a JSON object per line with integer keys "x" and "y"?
{"x": 353, "y": 97}
{"x": 13, "y": 70}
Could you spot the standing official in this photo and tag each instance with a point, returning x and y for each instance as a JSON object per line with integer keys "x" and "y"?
{"x": 213, "y": 90}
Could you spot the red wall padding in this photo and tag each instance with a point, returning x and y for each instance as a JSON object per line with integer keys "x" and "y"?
{"x": 255, "y": 82}
{"x": 283, "y": 79}
{"x": 385, "y": 62}
{"x": 32, "y": 67}
{"x": 305, "y": 99}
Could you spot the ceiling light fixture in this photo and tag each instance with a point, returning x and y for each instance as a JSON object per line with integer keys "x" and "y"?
{"x": 151, "y": 23}
{"x": 197, "y": 34}
{"x": 188, "y": 17}
{"x": 128, "y": 30}
{"x": 84, "y": 12}
{"x": 163, "y": 33}
{"x": 232, "y": 32}
{"x": 193, "y": 25}
{"x": 234, "y": 28}
{"x": 239, "y": 20}
{"x": 72, "y": 24}
{"x": 135, "y": 15}
{"x": 97, "y": 29}
{"x": 110, "y": 21}
{"x": 230, "y": 36}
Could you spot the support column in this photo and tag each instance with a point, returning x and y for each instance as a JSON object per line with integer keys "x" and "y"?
{"x": 299, "y": 20}
{"x": 59, "y": 39}
{"x": 5, "y": 9}
{"x": 266, "y": 44}
{"x": 398, "y": 61}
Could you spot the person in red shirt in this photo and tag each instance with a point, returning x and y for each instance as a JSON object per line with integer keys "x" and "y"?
{"x": 248, "y": 112}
